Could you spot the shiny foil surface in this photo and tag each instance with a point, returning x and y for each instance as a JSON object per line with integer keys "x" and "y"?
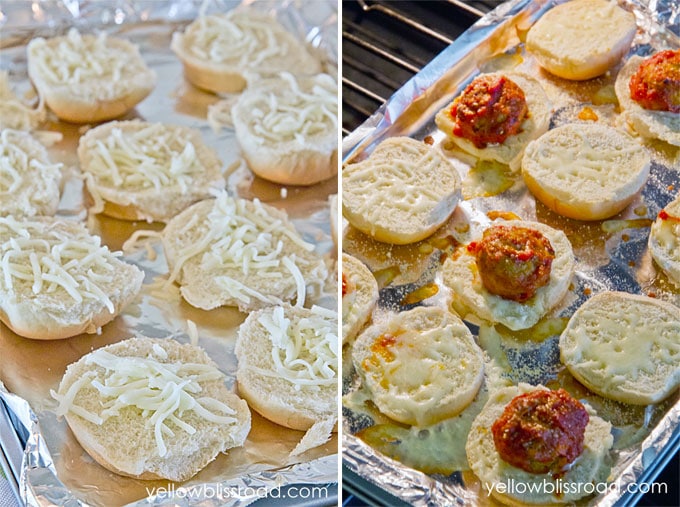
{"x": 610, "y": 255}
{"x": 56, "y": 470}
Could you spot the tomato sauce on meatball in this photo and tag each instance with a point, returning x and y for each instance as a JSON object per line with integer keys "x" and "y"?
{"x": 513, "y": 262}
{"x": 490, "y": 109}
{"x": 541, "y": 431}
{"x": 656, "y": 84}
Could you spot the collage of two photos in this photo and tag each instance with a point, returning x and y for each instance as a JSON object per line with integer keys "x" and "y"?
{"x": 312, "y": 253}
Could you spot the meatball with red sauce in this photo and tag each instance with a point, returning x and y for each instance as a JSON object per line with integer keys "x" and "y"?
{"x": 656, "y": 84}
{"x": 513, "y": 262}
{"x": 541, "y": 431}
{"x": 490, "y": 109}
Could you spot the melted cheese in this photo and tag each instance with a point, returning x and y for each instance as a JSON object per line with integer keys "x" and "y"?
{"x": 399, "y": 179}
{"x": 247, "y": 239}
{"x": 154, "y": 156}
{"x": 304, "y": 349}
{"x": 47, "y": 259}
{"x": 290, "y": 113}
{"x": 163, "y": 391}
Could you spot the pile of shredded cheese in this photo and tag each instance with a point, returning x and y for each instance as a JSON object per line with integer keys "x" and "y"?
{"x": 153, "y": 156}
{"x": 290, "y": 113}
{"x": 51, "y": 260}
{"x": 304, "y": 350}
{"x": 163, "y": 391}
{"x": 242, "y": 235}
{"x": 16, "y": 164}
{"x": 244, "y": 40}
{"x": 79, "y": 59}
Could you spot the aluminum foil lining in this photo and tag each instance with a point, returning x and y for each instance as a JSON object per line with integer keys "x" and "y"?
{"x": 611, "y": 254}
{"x": 55, "y": 470}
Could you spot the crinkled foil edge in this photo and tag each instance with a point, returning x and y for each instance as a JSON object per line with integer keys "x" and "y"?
{"x": 659, "y": 19}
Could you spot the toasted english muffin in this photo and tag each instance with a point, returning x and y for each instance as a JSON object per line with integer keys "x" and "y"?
{"x": 624, "y": 347}
{"x": 88, "y": 78}
{"x": 166, "y": 401}
{"x": 569, "y": 169}
{"x": 510, "y": 151}
{"x": 288, "y": 364}
{"x": 421, "y": 366}
{"x": 647, "y": 123}
{"x": 57, "y": 280}
{"x": 229, "y": 251}
{"x": 359, "y": 295}
{"x": 287, "y": 128}
{"x": 664, "y": 240}
{"x": 470, "y": 299}
{"x": 147, "y": 171}
{"x": 227, "y": 52}
{"x": 29, "y": 182}
{"x": 581, "y": 39}
{"x": 402, "y": 193}
{"x": 498, "y": 477}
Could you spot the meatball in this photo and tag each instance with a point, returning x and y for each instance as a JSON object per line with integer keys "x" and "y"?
{"x": 489, "y": 110}
{"x": 656, "y": 84}
{"x": 541, "y": 431}
{"x": 513, "y": 262}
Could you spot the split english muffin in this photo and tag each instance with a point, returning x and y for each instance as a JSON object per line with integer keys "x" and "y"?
{"x": 287, "y": 128}
{"x": 359, "y": 296}
{"x": 147, "y": 171}
{"x": 166, "y": 401}
{"x": 581, "y": 39}
{"x": 88, "y": 78}
{"x": 29, "y": 182}
{"x": 288, "y": 364}
{"x": 664, "y": 240}
{"x": 421, "y": 366}
{"x": 513, "y": 274}
{"x": 229, "y": 251}
{"x": 624, "y": 347}
{"x": 227, "y": 52}
{"x": 648, "y": 90}
{"x": 530, "y": 425}
{"x": 585, "y": 171}
{"x": 58, "y": 281}
{"x": 402, "y": 193}
{"x": 496, "y": 115}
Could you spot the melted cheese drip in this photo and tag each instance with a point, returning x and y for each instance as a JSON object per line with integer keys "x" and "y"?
{"x": 162, "y": 391}
{"x": 294, "y": 114}
{"x": 156, "y": 156}
{"x": 48, "y": 259}
{"x": 78, "y": 59}
{"x": 304, "y": 350}
{"x": 15, "y": 163}
{"x": 242, "y": 40}
{"x": 243, "y": 239}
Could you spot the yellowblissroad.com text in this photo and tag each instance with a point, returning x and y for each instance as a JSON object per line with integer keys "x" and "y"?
{"x": 559, "y": 487}
{"x": 222, "y": 492}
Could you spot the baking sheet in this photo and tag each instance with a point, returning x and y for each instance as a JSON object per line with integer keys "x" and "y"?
{"x": 610, "y": 254}
{"x": 56, "y": 469}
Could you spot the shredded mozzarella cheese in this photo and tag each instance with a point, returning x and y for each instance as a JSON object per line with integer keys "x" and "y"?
{"x": 243, "y": 236}
{"x": 304, "y": 350}
{"x": 290, "y": 113}
{"x": 46, "y": 258}
{"x": 163, "y": 391}
{"x": 14, "y": 113}
{"x": 16, "y": 164}
{"x": 153, "y": 156}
